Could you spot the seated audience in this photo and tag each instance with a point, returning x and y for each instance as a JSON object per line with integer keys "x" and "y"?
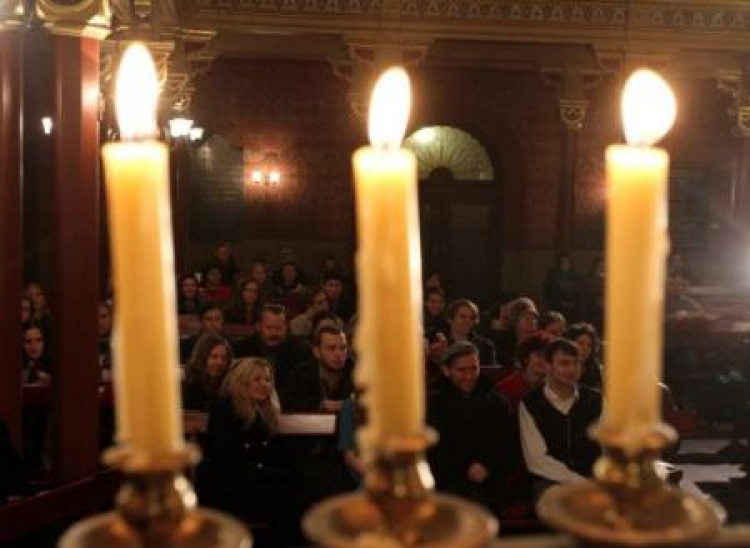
{"x": 104, "y": 328}
{"x": 496, "y": 319}
{"x": 329, "y": 264}
{"x": 189, "y": 301}
{"x": 554, "y": 420}
{"x": 433, "y": 280}
{"x": 552, "y": 325}
{"x": 214, "y": 290}
{"x": 35, "y": 365}
{"x": 587, "y": 340}
{"x": 323, "y": 383}
{"x": 530, "y": 373}
{"x": 271, "y": 342}
{"x": 434, "y": 312}
{"x": 39, "y": 305}
{"x": 259, "y": 274}
{"x": 522, "y": 316}
{"x": 212, "y": 321}
{"x": 463, "y": 317}
{"x": 205, "y": 371}
{"x": 247, "y": 304}
{"x": 224, "y": 260}
{"x": 338, "y": 301}
{"x": 25, "y": 311}
{"x": 246, "y": 472}
{"x": 289, "y": 290}
{"x": 477, "y": 447}
{"x": 302, "y": 325}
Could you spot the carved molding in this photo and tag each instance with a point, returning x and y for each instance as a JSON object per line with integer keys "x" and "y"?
{"x": 622, "y": 22}
{"x": 89, "y": 18}
{"x": 573, "y": 113}
{"x": 13, "y": 14}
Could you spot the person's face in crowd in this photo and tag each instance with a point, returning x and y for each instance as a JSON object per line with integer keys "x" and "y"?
{"x": 433, "y": 281}
{"x": 564, "y": 370}
{"x": 289, "y": 273}
{"x": 217, "y": 361}
{"x": 25, "y": 310}
{"x": 250, "y": 293}
{"x": 332, "y": 351}
{"x": 555, "y": 329}
{"x": 272, "y": 329}
{"x": 585, "y": 346}
{"x": 463, "y": 321}
{"x": 33, "y": 343}
{"x": 189, "y": 288}
{"x": 565, "y": 263}
{"x": 35, "y": 293}
{"x": 259, "y": 273}
{"x": 435, "y": 304}
{"x": 223, "y": 252}
{"x": 260, "y": 385}
{"x": 527, "y": 323}
{"x": 104, "y": 320}
{"x": 333, "y": 289}
{"x": 213, "y": 321}
{"x": 464, "y": 372}
{"x": 213, "y": 276}
{"x": 329, "y": 263}
{"x": 320, "y": 303}
{"x": 537, "y": 369}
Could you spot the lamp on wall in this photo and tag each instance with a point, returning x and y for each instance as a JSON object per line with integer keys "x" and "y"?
{"x": 266, "y": 172}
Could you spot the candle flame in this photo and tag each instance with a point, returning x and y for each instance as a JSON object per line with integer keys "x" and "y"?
{"x": 389, "y": 109}
{"x": 136, "y": 94}
{"x": 648, "y": 108}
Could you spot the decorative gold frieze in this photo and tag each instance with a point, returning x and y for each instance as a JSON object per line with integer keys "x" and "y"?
{"x": 90, "y": 18}
{"x": 13, "y": 14}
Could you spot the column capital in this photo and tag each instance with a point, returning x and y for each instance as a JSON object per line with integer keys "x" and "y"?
{"x": 735, "y": 84}
{"x": 85, "y": 18}
{"x": 13, "y": 14}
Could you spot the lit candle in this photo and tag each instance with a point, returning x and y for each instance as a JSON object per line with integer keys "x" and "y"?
{"x": 637, "y": 242}
{"x": 137, "y": 180}
{"x": 389, "y": 328}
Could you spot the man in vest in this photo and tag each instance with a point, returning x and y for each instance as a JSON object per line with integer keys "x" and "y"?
{"x": 555, "y": 419}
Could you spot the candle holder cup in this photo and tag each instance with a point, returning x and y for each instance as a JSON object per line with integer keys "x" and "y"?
{"x": 398, "y": 507}
{"x": 629, "y": 504}
{"x": 156, "y": 507}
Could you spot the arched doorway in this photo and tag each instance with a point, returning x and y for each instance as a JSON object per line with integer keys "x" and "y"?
{"x": 459, "y": 201}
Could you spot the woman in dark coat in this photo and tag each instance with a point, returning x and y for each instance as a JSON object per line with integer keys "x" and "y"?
{"x": 245, "y": 472}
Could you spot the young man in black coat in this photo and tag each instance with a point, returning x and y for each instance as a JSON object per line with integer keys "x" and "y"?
{"x": 477, "y": 448}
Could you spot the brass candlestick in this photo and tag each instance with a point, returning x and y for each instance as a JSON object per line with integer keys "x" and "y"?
{"x": 398, "y": 507}
{"x": 629, "y": 504}
{"x": 156, "y": 507}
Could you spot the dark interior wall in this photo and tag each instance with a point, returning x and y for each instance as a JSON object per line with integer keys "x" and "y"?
{"x": 300, "y": 111}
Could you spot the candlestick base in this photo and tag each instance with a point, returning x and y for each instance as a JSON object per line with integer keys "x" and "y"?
{"x": 629, "y": 504}
{"x": 156, "y": 507}
{"x": 398, "y": 507}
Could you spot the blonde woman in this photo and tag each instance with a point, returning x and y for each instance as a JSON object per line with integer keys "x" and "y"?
{"x": 245, "y": 472}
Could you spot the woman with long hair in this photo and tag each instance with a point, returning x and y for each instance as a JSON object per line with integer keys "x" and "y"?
{"x": 189, "y": 300}
{"x": 247, "y": 304}
{"x": 244, "y": 473}
{"x": 587, "y": 340}
{"x": 205, "y": 371}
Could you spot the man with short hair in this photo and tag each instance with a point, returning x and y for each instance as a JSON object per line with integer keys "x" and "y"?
{"x": 270, "y": 341}
{"x": 320, "y": 384}
{"x": 555, "y": 419}
{"x": 476, "y": 448}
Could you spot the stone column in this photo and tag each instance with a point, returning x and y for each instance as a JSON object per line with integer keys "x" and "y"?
{"x": 11, "y": 24}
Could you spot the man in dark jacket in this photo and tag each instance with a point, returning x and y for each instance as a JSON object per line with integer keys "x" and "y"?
{"x": 555, "y": 419}
{"x": 323, "y": 383}
{"x": 477, "y": 448}
{"x": 271, "y": 342}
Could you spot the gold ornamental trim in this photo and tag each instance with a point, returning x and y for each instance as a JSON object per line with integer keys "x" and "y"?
{"x": 88, "y": 18}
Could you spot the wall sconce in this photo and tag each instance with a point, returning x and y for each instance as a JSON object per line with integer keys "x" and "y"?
{"x": 266, "y": 178}
{"x": 47, "y": 125}
{"x": 180, "y": 127}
